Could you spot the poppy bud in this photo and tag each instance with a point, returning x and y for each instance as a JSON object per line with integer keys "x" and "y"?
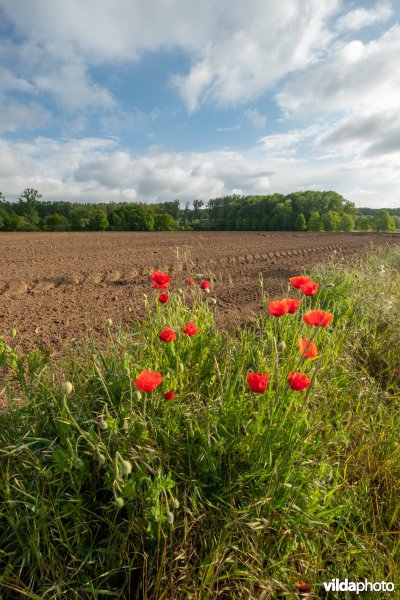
{"x": 67, "y": 387}
{"x": 170, "y": 518}
{"x": 125, "y": 424}
{"x": 138, "y": 395}
{"x": 175, "y": 503}
{"x": 119, "y": 502}
{"x": 126, "y": 467}
{"x": 14, "y": 332}
{"x": 109, "y": 322}
{"x": 103, "y": 425}
{"x": 102, "y": 459}
{"x": 281, "y": 347}
{"x": 213, "y": 300}
{"x": 78, "y": 463}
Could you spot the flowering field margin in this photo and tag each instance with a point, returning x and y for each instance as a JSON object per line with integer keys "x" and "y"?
{"x": 202, "y": 487}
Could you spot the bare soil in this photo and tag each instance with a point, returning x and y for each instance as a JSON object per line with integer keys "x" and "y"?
{"x": 58, "y": 287}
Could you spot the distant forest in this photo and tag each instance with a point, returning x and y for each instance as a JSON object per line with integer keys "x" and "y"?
{"x": 298, "y": 211}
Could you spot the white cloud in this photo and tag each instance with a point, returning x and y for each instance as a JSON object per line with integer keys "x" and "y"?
{"x": 238, "y": 49}
{"x": 14, "y": 116}
{"x": 358, "y": 86}
{"x": 287, "y": 143}
{"x": 11, "y": 82}
{"x": 232, "y": 128}
{"x": 362, "y": 17}
{"x": 96, "y": 169}
{"x": 355, "y": 77}
{"x": 109, "y": 30}
{"x": 255, "y": 118}
{"x": 370, "y": 133}
{"x": 71, "y": 87}
{"x": 264, "y": 40}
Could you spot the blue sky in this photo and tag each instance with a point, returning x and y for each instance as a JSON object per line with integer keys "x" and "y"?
{"x": 152, "y": 100}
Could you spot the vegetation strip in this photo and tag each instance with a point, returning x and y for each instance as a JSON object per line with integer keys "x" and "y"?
{"x": 208, "y": 464}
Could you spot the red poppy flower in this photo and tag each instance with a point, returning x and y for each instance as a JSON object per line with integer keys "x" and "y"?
{"x": 311, "y": 351}
{"x": 298, "y": 382}
{"x": 190, "y": 328}
{"x": 190, "y": 281}
{"x": 302, "y": 586}
{"x": 319, "y": 318}
{"x": 205, "y": 285}
{"x": 258, "y": 382}
{"x": 147, "y": 381}
{"x": 169, "y": 395}
{"x": 167, "y": 335}
{"x": 293, "y": 304}
{"x": 310, "y": 288}
{"x": 277, "y": 308}
{"x": 160, "y": 280}
{"x": 163, "y": 298}
{"x": 299, "y": 280}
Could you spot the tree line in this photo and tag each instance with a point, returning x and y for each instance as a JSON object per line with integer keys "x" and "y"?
{"x": 298, "y": 211}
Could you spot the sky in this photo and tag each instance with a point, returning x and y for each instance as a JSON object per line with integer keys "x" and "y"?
{"x": 156, "y": 100}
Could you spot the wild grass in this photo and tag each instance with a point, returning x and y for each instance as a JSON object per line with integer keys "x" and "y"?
{"x": 228, "y": 493}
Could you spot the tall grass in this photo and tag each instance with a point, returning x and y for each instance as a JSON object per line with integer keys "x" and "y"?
{"x": 220, "y": 492}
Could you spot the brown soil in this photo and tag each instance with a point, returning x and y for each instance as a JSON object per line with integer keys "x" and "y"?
{"x": 57, "y": 287}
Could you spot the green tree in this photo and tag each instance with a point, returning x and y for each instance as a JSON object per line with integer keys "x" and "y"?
{"x": 396, "y": 221}
{"x": 115, "y": 220}
{"x": 98, "y": 220}
{"x": 197, "y": 204}
{"x": 56, "y": 222}
{"x": 29, "y": 202}
{"x": 138, "y": 218}
{"x": 315, "y": 222}
{"x": 164, "y": 222}
{"x": 346, "y": 223}
{"x": 3, "y": 217}
{"x": 331, "y": 221}
{"x": 282, "y": 217}
{"x": 80, "y": 217}
{"x": 301, "y": 223}
{"x": 382, "y": 221}
{"x": 14, "y": 222}
{"x": 363, "y": 223}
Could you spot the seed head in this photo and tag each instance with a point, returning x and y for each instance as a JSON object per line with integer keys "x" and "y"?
{"x": 126, "y": 467}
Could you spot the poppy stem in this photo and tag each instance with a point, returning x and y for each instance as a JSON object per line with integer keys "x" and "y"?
{"x": 312, "y": 381}
{"x": 275, "y": 386}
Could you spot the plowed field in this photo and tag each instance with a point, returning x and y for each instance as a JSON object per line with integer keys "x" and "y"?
{"x": 56, "y": 287}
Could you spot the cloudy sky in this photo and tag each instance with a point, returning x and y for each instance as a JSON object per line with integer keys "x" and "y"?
{"x": 152, "y": 100}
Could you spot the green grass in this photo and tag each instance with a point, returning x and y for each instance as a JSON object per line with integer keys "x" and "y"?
{"x": 232, "y": 494}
